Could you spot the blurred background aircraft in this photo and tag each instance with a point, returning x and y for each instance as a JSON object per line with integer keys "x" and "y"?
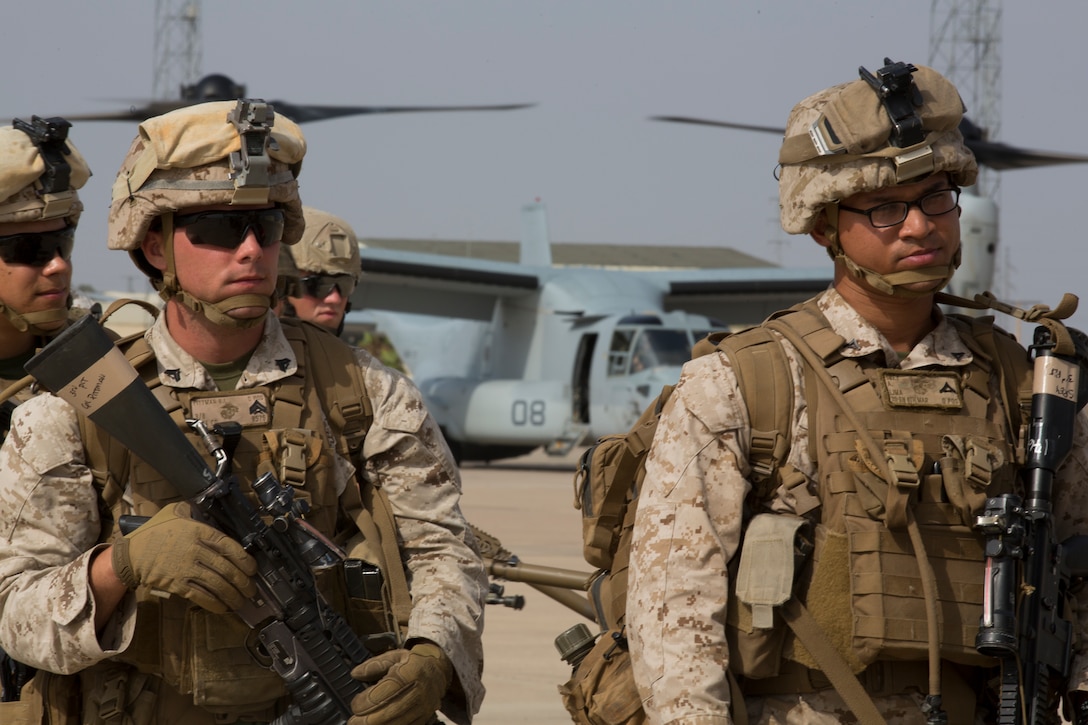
{"x": 512, "y": 356}
{"x": 218, "y": 87}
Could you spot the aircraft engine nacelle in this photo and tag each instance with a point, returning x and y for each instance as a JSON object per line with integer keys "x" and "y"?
{"x": 502, "y": 412}
{"x": 979, "y": 237}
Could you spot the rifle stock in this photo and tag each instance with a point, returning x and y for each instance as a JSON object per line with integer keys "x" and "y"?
{"x": 309, "y": 644}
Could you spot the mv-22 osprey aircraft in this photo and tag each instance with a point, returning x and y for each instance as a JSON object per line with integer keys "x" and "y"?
{"x": 514, "y": 356}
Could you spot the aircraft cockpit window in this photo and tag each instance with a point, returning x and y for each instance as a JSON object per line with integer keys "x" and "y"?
{"x": 620, "y": 351}
{"x": 635, "y": 350}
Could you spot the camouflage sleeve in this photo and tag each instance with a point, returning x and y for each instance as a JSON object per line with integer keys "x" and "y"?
{"x": 49, "y": 522}
{"x": 408, "y": 458}
{"x": 1071, "y": 518}
{"x": 687, "y": 528}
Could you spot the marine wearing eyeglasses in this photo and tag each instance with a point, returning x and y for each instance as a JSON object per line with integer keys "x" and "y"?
{"x": 877, "y": 456}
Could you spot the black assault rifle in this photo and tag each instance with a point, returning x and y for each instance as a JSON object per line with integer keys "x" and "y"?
{"x": 305, "y": 640}
{"x": 1025, "y": 622}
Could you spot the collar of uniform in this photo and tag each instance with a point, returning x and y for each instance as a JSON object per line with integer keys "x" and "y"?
{"x": 942, "y": 346}
{"x": 272, "y": 360}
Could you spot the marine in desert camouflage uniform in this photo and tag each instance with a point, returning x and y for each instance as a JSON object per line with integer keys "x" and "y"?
{"x": 39, "y": 211}
{"x": 137, "y": 620}
{"x": 318, "y": 275}
{"x": 693, "y": 510}
{"x": 40, "y": 174}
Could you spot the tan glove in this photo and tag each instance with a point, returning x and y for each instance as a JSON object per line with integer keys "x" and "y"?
{"x": 179, "y": 555}
{"x": 409, "y": 686}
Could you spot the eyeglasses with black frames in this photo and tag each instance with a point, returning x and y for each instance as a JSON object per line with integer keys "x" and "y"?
{"x": 888, "y": 214}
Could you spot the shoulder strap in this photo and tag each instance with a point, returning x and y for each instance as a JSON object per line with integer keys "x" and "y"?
{"x": 1009, "y": 359}
{"x": 831, "y": 663}
{"x": 801, "y": 336}
{"x": 334, "y": 368}
{"x": 763, "y": 375}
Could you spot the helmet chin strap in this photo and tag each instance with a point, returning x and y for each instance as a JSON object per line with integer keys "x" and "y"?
{"x": 895, "y": 284}
{"x": 216, "y": 312}
{"x": 45, "y": 322}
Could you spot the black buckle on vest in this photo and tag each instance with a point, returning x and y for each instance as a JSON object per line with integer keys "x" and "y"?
{"x": 894, "y": 85}
{"x": 50, "y": 136}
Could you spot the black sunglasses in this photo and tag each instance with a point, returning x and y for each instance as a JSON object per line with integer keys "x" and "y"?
{"x": 37, "y": 249}
{"x": 228, "y": 229}
{"x": 320, "y": 285}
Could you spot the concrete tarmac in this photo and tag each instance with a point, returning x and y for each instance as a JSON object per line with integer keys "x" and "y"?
{"x": 528, "y": 504}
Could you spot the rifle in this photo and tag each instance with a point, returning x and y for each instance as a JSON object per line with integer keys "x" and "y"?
{"x": 1025, "y": 623}
{"x": 554, "y": 582}
{"x": 308, "y": 643}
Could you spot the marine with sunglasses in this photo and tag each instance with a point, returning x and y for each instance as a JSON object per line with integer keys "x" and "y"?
{"x": 318, "y": 275}
{"x": 139, "y": 628}
{"x": 40, "y": 173}
{"x": 804, "y": 548}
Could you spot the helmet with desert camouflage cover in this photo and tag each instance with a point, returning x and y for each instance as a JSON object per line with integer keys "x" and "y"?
{"x": 898, "y": 126}
{"x": 40, "y": 173}
{"x": 328, "y": 246}
{"x": 221, "y": 152}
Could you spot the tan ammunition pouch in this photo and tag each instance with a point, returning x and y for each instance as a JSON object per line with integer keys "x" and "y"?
{"x": 866, "y": 594}
{"x": 763, "y": 578}
{"x": 602, "y": 688}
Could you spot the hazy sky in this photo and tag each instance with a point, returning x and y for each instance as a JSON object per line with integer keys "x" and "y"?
{"x": 596, "y": 70}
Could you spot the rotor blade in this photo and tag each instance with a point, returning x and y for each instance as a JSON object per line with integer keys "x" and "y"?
{"x": 993, "y": 154}
{"x": 1001, "y": 156}
{"x": 304, "y": 113}
{"x": 721, "y": 124}
{"x": 297, "y": 113}
{"x": 134, "y": 113}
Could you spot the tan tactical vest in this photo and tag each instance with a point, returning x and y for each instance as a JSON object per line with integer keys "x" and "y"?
{"x": 894, "y": 449}
{"x": 206, "y": 655}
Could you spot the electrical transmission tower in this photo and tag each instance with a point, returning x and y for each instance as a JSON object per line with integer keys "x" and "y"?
{"x": 177, "y": 46}
{"x": 965, "y": 46}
